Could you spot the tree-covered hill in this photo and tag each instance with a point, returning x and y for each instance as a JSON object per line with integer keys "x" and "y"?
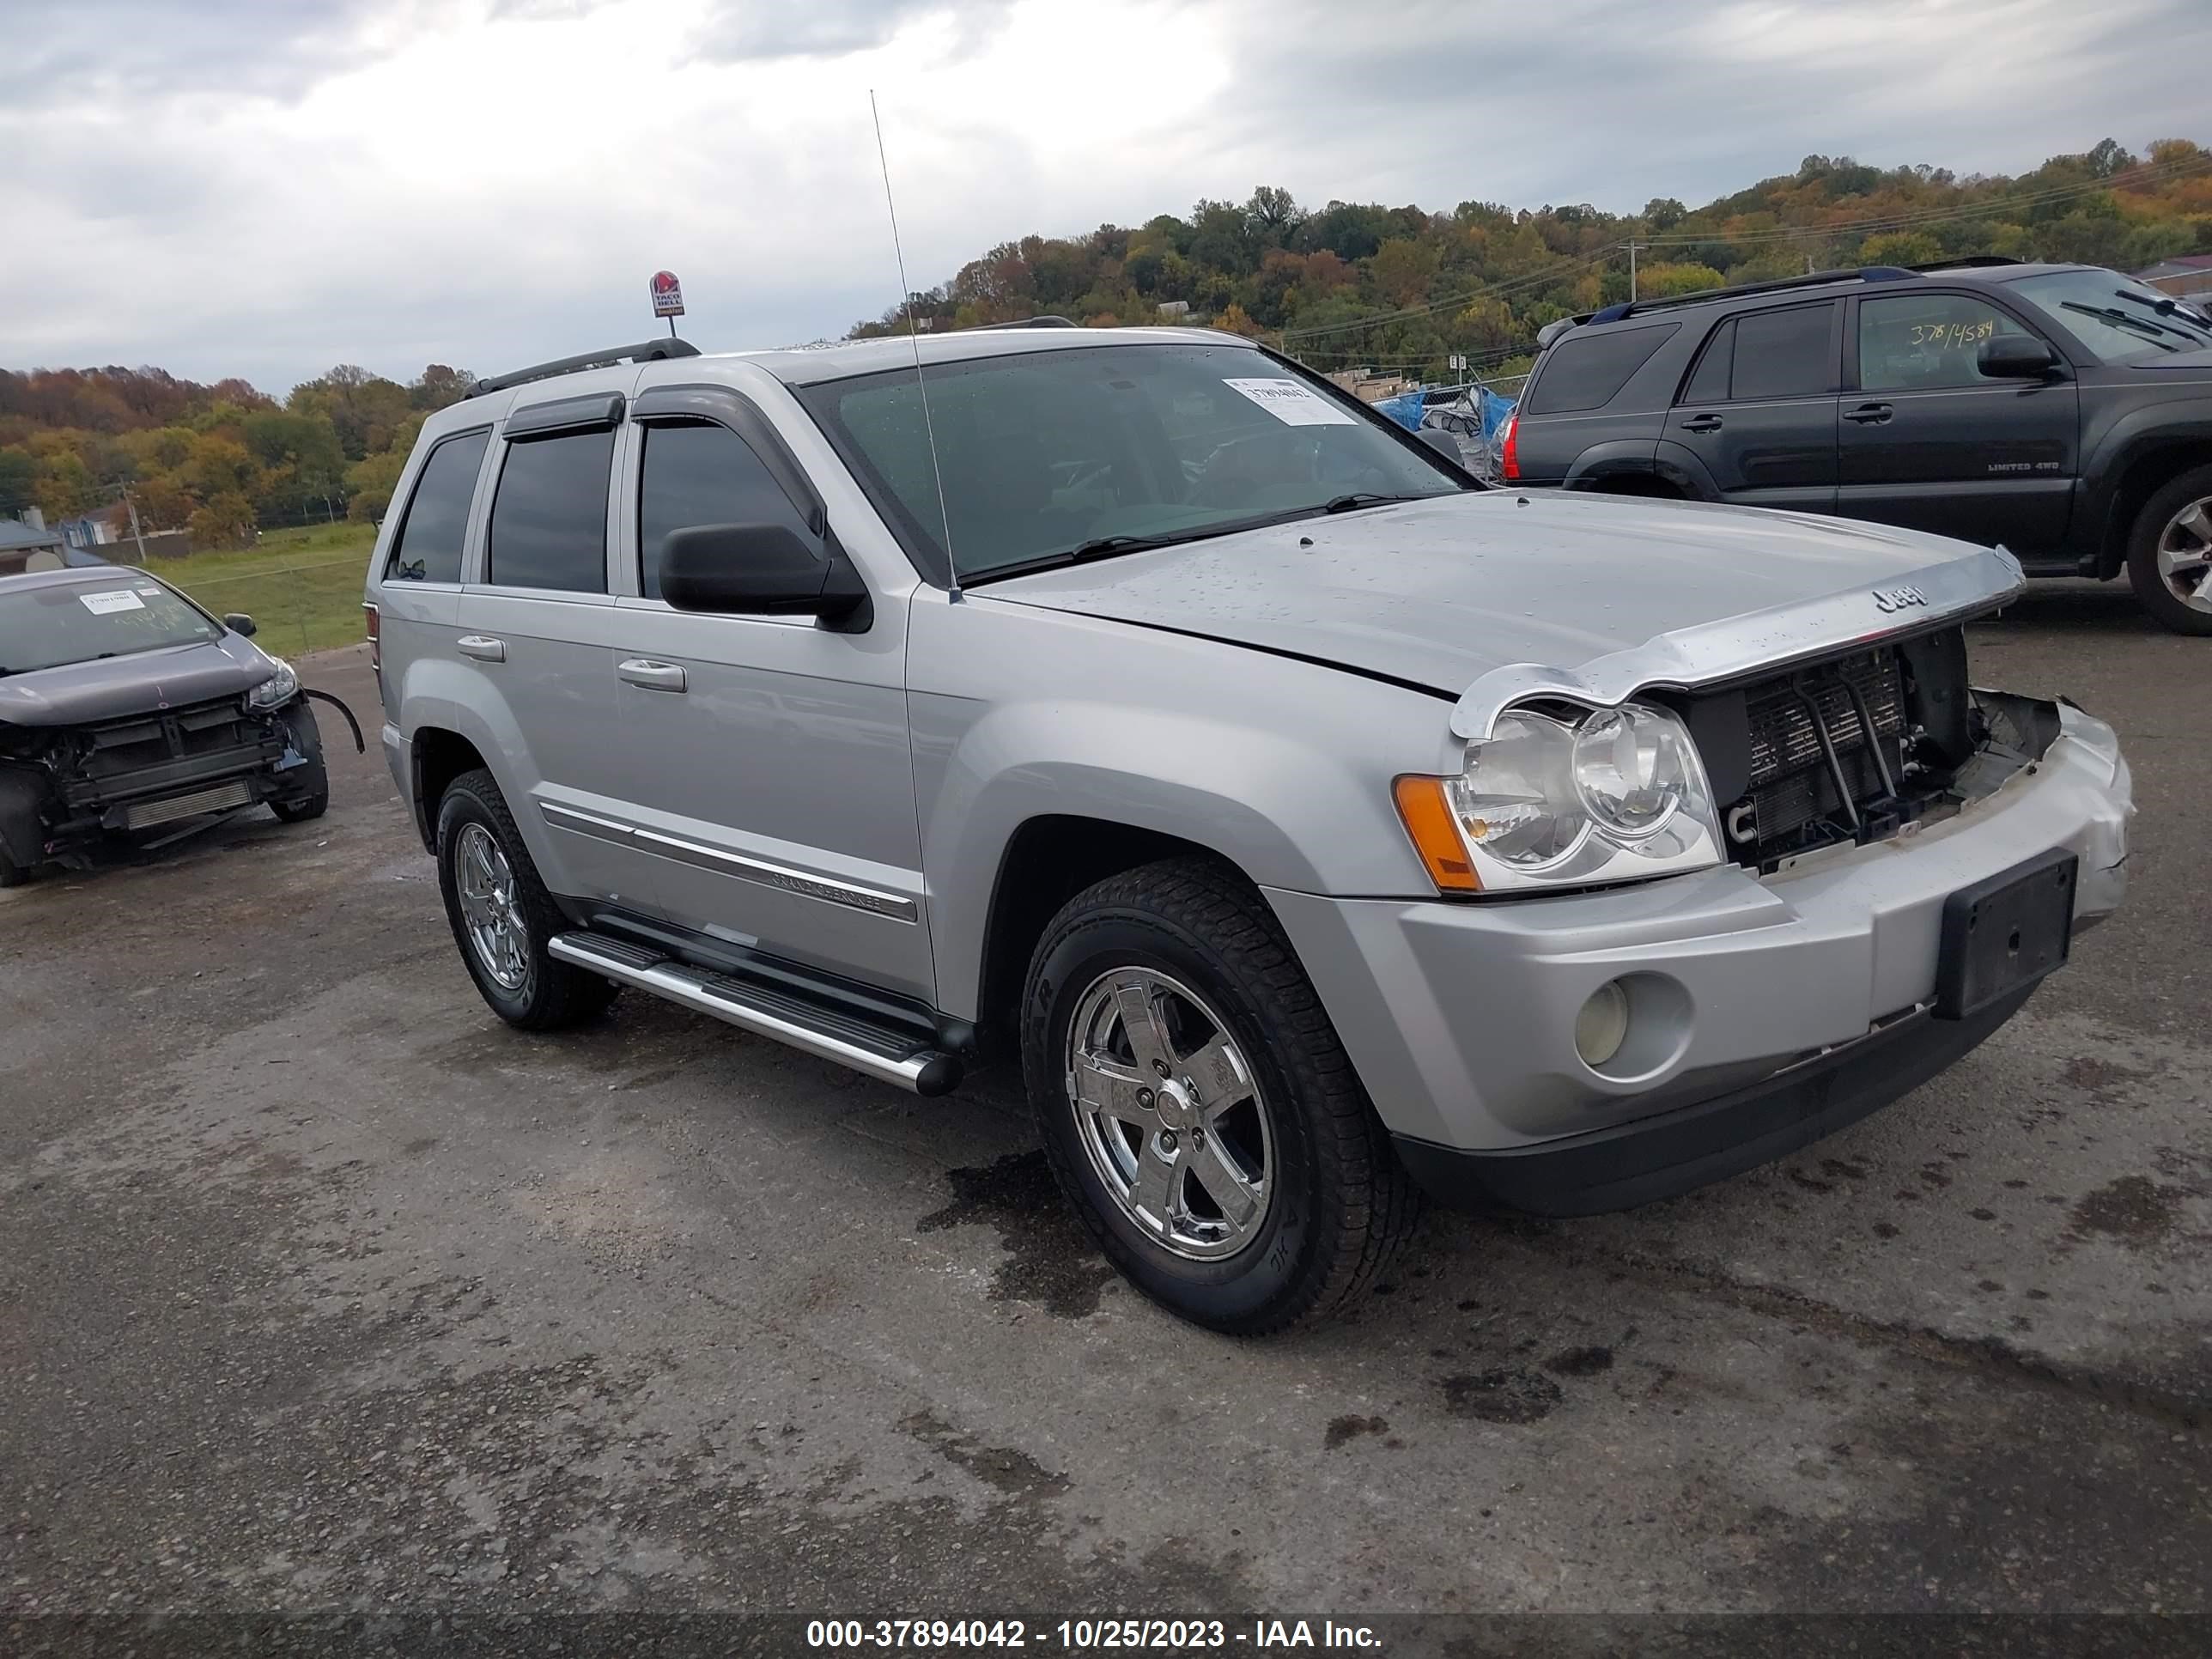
{"x": 1349, "y": 284}
{"x": 1362, "y": 284}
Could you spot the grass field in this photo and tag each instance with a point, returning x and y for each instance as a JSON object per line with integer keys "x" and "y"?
{"x": 301, "y": 587}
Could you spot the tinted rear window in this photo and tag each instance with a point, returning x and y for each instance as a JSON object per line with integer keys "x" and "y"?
{"x": 1710, "y": 383}
{"x": 427, "y": 548}
{"x": 1785, "y": 354}
{"x": 548, "y": 520}
{"x": 1584, "y": 371}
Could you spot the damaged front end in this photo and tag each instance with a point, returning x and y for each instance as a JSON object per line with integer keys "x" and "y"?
{"x": 1884, "y": 741}
{"x": 66, "y": 790}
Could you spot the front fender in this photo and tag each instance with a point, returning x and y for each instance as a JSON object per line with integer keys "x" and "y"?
{"x": 1280, "y": 766}
{"x": 2113, "y": 445}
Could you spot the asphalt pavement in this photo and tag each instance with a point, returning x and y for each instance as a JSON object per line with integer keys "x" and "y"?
{"x": 321, "y": 1288}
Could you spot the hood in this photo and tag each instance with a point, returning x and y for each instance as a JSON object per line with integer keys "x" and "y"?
{"x": 2199, "y": 359}
{"x": 1439, "y": 593}
{"x": 144, "y": 683}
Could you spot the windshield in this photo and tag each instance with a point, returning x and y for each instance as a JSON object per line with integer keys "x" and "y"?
{"x": 80, "y": 621}
{"x": 2122, "y": 321}
{"x": 1056, "y": 455}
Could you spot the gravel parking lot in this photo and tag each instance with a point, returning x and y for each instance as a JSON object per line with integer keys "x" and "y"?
{"x": 319, "y": 1288}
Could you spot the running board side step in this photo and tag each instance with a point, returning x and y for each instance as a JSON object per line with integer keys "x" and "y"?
{"x": 878, "y": 1051}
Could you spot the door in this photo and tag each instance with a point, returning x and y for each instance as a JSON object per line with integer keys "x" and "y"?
{"x": 1758, "y": 414}
{"x": 539, "y": 629}
{"x": 1928, "y": 444}
{"x": 778, "y": 799}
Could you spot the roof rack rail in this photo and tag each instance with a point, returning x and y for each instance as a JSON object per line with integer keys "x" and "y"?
{"x": 1046, "y": 322}
{"x": 1706, "y": 295}
{"x": 1968, "y": 261}
{"x": 646, "y": 351}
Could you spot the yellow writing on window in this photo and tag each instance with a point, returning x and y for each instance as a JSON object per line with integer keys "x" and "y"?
{"x": 1953, "y": 337}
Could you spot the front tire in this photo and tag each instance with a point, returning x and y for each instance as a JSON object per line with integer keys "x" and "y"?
{"x": 1197, "y": 1107}
{"x": 2170, "y": 554}
{"x": 502, "y": 916}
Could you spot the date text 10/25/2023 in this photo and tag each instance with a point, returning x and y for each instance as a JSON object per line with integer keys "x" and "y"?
{"x": 1167, "y": 1635}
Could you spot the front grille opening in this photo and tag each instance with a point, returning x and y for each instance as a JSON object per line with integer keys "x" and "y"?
{"x": 1844, "y": 751}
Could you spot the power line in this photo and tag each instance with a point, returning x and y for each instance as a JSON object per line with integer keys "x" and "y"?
{"x": 1551, "y": 274}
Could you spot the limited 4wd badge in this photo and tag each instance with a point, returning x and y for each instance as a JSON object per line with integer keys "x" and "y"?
{"x": 1889, "y": 600}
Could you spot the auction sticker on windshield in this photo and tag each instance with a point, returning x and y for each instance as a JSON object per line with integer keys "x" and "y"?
{"x": 1291, "y": 403}
{"x": 107, "y": 604}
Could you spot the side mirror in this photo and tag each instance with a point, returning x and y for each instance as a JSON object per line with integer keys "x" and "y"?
{"x": 759, "y": 570}
{"x": 2016, "y": 357}
{"x": 240, "y": 625}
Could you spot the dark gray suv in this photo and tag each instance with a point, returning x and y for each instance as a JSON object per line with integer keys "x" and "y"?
{"x": 2062, "y": 412}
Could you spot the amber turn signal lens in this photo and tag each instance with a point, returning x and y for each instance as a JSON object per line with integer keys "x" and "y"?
{"x": 1428, "y": 819}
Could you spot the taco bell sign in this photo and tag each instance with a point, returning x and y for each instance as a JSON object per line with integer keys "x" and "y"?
{"x": 667, "y": 295}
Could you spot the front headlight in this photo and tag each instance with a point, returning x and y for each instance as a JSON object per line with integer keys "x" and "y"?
{"x": 279, "y": 689}
{"x": 1617, "y": 795}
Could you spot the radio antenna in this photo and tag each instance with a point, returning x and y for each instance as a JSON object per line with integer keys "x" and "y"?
{"x": 914, "y": 337}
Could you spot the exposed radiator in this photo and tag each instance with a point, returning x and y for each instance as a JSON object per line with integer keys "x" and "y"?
{"x": 220, "y": 798}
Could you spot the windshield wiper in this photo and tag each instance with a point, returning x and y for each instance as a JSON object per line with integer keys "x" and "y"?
{"x": 1107, "y": 547}
{"x": 2166, "y": 306}
{"x": 2142, "y": 326}
{"x": 1363, "y": 498}
{"x": 1098, "y": 547}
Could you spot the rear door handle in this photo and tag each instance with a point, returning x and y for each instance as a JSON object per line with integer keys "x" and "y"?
{"x": 480, "y": 647}
{"x": 653, "y": 676}
{"x": 1702, "y": 423}
{"x": 1871, "y": 414}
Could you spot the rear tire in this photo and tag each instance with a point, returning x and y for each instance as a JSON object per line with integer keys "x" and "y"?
{"x": 502, "y": 916}
{"x": 12, "y": 874}
{"x": 2170, "y": 554}
{"x": 1241, "y": 1178}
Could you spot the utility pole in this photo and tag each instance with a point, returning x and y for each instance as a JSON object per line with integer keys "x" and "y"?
{"x": 137, "y": 535}
{"x": 1632, "y": 270}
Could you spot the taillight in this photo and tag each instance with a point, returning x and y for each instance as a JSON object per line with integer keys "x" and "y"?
{"x": 1508, "y": 448}
{"x": 376, "y": 622}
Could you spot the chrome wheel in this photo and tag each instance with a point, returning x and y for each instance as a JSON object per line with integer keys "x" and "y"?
{"x": 2185, "y": 554}
{"x": 1168, "y": 1110}
{"x": 490, "y": 907}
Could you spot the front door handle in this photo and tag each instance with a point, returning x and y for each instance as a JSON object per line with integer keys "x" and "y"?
{"x": 1871, "y": 414}
{"x": 480, "y": 647}
{"x": 1702, "y": 423}
{"x": 653, "y": 676}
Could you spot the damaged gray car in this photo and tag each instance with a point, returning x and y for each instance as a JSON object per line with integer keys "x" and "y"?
{"x": 129, "y": 713}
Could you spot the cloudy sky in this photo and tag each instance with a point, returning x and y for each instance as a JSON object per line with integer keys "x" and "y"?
{"x": 265, "y": 187}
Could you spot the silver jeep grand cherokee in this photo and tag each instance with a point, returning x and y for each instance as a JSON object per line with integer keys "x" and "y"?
{"x": 1318, "y": 827}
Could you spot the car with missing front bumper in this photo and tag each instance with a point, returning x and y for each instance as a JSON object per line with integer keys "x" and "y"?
{"x": 128, "y": 713}
{"x": 1315, "y": 828}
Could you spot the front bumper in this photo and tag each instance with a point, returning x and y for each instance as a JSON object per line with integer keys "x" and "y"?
{"x": 1461, "y": 1016}
{"x": 282, "y": 764}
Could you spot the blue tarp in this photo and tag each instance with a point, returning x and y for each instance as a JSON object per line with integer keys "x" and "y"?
{"x": 1404, "y": 409}
{"x": 1492, "y": 409}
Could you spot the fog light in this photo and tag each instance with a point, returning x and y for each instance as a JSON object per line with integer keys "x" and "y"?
{"x": 1602, "y": 1025}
